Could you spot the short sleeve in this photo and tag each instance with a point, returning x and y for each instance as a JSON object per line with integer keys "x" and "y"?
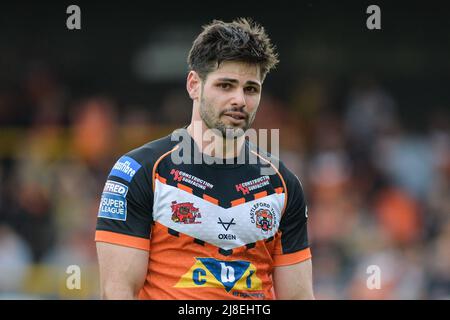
{"x": 125, "y": 209}
{"x": 292, "y": 244}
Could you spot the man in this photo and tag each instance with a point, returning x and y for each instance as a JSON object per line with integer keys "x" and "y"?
{"x": 222, "y": 229}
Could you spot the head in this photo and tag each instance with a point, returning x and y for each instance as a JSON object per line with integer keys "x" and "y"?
{"x": 228, "y": 63}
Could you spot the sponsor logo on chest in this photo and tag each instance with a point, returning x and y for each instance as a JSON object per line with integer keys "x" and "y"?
{"x": 181, "y": 176}
{"x": 248, "y": 186}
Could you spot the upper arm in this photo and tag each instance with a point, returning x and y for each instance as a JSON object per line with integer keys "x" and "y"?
{"x": 293, "y": 282}
{"x": 122, "y": 270}
{"x": 292, "y": 273}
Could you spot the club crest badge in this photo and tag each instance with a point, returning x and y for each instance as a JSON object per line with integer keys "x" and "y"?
{"x": 185, "y": 213}
{"x": 264, "y": 218}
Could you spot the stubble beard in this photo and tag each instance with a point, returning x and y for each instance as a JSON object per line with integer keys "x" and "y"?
{"x": 213, "y": 121}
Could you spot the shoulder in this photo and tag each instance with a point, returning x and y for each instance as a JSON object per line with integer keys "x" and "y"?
{"x": 139, "y": 162}
{"x": 266, "y": 157}
{"x": 150, "y": 152}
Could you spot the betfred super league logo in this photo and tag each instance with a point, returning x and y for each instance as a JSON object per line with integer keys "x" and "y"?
{"x": 185, "y": 213}
{"x": 264, "y": 220}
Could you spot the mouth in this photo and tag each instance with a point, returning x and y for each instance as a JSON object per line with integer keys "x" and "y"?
{"x": 236, "y": 116}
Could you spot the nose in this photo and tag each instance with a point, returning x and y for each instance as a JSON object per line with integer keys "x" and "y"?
{"x": 239, "y": 99}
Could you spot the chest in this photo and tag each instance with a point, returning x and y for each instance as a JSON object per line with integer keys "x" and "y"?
{"x": 227, "y": 209}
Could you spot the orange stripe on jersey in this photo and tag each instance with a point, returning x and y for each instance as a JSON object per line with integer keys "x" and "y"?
{"x": 291, "y": 258}
{"x": 281, "y": 177}
{"x": 161, "y": 179}
{"x": 211, "y": 199}
{"x": 122, "y": 239}
{"x": 279, "y": 190}
{"x": 183, "y": 187}
{"x": 157, "y": 163}
{"x": 260, "y": 195}
{"x": 237, "y": 202}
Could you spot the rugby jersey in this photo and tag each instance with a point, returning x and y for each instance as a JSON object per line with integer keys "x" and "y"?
{"x": 213, "y": 231}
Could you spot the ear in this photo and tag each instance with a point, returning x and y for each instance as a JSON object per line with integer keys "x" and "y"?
{"x": 193, "y": 84}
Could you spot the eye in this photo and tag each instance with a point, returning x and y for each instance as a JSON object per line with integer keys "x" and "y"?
{"x": 252, "y": 89}
{"x": 224, "y": 85}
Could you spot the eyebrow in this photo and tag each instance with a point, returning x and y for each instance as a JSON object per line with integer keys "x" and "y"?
{"x": 234, "y": 81}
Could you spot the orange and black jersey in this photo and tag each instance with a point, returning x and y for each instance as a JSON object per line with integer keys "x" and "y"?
{"x": 213, "y": 231}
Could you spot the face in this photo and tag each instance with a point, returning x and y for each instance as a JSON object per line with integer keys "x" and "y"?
{"x": 230, "y": 96}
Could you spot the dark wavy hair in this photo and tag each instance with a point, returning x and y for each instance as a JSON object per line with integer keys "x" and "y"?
{"x": 240, "y": 40}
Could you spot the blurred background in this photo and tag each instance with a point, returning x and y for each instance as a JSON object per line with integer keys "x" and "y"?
{"x": 364, "y": 119}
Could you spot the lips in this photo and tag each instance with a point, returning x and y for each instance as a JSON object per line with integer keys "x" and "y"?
{"x": 236, "y": 115}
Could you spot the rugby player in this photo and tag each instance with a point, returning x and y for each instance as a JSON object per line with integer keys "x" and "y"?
{"x": 171, "y": 229}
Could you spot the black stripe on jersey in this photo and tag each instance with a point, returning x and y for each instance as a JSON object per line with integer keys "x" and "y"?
{"x": 200, "y": 242}
{"x": 269, "y": 239}
{"x": 173, "y": 232}
{"x": 250, "y": 245}
{"x": 225, "y": 252}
